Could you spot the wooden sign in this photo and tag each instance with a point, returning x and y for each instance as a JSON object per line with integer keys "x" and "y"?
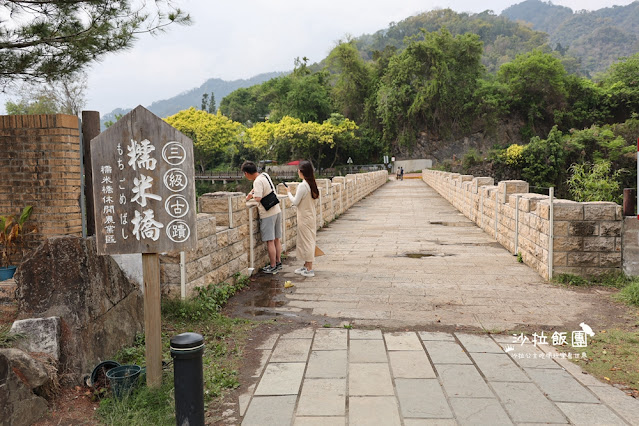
{"x": 143, "y": 187}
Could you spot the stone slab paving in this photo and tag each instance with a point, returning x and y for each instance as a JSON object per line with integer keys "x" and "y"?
{"x": 456, "y": 276}
{"x": 404, "y": 256}
{"x": 371, "y": 377}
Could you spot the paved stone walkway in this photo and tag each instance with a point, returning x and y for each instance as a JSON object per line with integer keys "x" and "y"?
{"x": 404, "y": 256}
{"x": 366, "y": 377}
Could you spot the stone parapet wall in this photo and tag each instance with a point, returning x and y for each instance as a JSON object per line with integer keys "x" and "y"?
{"x": 40, "y": 162}
{"x": 225, "y": 221}
{"x": 586, "y": 236}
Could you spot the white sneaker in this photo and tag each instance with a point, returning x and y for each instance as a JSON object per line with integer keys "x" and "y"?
{"x": 307, "y": 273}
{"x": 300, "y": 270}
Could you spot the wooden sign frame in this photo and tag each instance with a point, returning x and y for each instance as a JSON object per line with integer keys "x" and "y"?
{"x": 144, "y": 202}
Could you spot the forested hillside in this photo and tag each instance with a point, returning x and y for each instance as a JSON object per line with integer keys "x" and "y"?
{"x": 597, "y": 38}
{"x": 502, "y": 38}
{"x": 476, "y": 93}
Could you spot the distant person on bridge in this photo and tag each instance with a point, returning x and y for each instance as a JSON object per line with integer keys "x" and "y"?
{"x": 401, "y": 173}
{"x": 270, "y": 220}
{"x": 304, "y": 199}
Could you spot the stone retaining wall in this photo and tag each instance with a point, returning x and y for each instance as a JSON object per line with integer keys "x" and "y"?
{"x": 226, "y": 220}
{"x": 587, "y": 236}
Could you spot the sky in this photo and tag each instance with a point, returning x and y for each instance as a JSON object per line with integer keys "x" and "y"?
{"x": 242, "y": 38}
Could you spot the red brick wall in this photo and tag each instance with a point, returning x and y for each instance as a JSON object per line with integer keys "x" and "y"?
{"x": 40, "y": 166}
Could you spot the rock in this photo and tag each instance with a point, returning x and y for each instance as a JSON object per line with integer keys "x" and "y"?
{"x": 32, "y": 372}
{"x": 40, "y": 335}
{"x": 99, "y": 308}
{"x": 18, "y": 404}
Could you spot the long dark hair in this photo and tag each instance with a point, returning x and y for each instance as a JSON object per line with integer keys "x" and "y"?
{"x": 309, "y": 176}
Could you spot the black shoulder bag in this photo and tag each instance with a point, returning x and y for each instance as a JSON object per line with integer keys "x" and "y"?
{"x": 271, "y": 199}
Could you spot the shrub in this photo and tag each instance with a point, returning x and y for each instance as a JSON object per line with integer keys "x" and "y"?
{"x": 594, "y": 182}
{"x": 513, "y": 155}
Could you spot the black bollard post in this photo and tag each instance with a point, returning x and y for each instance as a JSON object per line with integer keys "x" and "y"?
{"x": 188, "y": 377}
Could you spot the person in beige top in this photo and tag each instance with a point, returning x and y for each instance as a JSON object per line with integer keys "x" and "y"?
{"x": 270, "y": 220}
{"x": 304, "y": 199}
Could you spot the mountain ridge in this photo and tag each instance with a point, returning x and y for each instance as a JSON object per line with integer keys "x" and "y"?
{"x": 193, "y": 97}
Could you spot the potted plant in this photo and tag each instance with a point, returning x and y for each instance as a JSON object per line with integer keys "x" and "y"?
{"x": 11, "y": 232}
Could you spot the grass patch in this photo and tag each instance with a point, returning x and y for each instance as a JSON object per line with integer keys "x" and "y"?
{"x": 612, "y": 357}
{"x": 570, "y": 279}
{"x": 630, "y": 294}
{"x": 629, "y": 286}
{"x": 613, "y": 279}
{"x": 224, "y": 340}
{"x": 7, "y": 338}
{"x": 143, "y": 407}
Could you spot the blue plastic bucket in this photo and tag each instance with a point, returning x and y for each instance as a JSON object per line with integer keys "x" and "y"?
{"x": 6, "y": 273}
{"x": 123, "y": 379}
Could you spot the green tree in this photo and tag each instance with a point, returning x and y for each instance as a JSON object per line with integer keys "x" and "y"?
{"x": 246, "y": 105}
{"x": 110, "y": 123}
{"x": 293, "y": 138}
{"x": 545, "y": 161}
{"x": 621, "y": 83}
{"x": 429, "y": 85}
{"x": 42, "y": 104}
{"x": 215, "y": 137}
{"x": 205, "y": 102}
{"x": 212, "y": 108}
{"x": 351, "y": 78}
{"x": 64, "y": 96}
{"x": 536, "y": 88}
{"x": 45, "y": 40}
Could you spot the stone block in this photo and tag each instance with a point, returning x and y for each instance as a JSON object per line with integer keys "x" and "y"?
{"x": 610, "y": 260}
{"x": 583, "y": 228}
{"x": 611, "y": 229}
{"x": 482, "y": 181}
{"x": 560, "y": 259}
{"x": 599, "y": 244}
{"x": 223, "y": 238}
{"x": 600, "y": 210}
{"x": 513, "y": 187}
{"x": 583, "y": 259}
{"x": 561, "y": 228}
{"x": 205, "y": 225}
{"x": 567, "y": 210}
{"x": 214, "y": 203}
{"x": 40, "y": 335}
{"x": 568, "y": 243}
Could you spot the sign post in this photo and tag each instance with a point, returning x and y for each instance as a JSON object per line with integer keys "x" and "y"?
{"x": 144, "y": 201}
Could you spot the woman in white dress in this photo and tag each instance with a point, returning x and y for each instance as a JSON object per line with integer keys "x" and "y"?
{"x": 304, "y": 199}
